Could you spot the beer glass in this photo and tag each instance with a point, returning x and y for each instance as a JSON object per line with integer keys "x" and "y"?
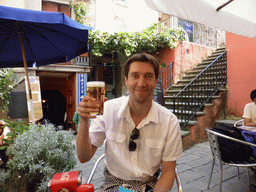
{"x": 96, "y": 89}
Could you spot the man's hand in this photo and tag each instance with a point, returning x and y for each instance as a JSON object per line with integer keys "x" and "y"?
{"x": 249, "y": 122}
{"x": 167, "y": 176}
{"x": 87, "y": 106}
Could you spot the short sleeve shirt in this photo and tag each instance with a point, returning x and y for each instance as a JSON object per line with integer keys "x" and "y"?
{"x": 159, "y": 140}
{"x": 250, "y": 111}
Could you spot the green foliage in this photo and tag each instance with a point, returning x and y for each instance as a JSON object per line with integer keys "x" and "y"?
{"x": 80, "y": 8}
{"x": 148, "y": 40}
{"x": 36, "y": 155}
{"x": 16, "y": 128}
{"x": 7, "y": 80}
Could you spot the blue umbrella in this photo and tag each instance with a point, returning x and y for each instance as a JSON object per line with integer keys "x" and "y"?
{"x": 48, "y": 37}
{"x": 28, "y": 36}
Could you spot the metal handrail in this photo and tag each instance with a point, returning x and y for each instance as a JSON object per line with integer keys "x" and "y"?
{"x": 166, "y": 75}
{"x": 211, "y": 79}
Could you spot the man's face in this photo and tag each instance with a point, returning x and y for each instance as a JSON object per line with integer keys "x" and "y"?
{"x": 141, "y": 82}
{"x": 254, "y": 100}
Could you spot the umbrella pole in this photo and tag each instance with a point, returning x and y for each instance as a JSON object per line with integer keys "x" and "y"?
{"x": 27, "y": 76}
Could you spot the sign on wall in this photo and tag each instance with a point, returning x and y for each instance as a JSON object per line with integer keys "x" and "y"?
{"x": 81, "y": 86}
{"x": 36, "y": 97}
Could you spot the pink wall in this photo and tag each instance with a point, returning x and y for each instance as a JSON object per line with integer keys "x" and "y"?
{"x": 185, "y": 56}
{"x": 241, "y": 72}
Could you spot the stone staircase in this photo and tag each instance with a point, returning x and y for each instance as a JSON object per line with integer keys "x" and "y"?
{"x": 199, "y": 87}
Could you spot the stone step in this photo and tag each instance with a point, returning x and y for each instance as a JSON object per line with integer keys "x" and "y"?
{"x": 187, "y": 81}
{"x": 181, "y": 121}
{"x": 183, "y": 103}
{"x": 210, "y": 59}
{"x": 198, "y": 113}
{"x": 216, "y": 67}
{"x": 207, "y": 74}
{"x": 190, "y": 96}
{"x": 197, "y": 71}
{"x": 179, "y": 88}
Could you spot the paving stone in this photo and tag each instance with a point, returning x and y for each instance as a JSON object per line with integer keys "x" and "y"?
{"x": 194, "y": 171}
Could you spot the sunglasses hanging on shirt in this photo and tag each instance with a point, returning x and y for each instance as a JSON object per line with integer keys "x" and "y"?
{"x": 135, "y": 135}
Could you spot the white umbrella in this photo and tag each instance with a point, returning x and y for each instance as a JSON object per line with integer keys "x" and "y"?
{"x": 235, "y": 16}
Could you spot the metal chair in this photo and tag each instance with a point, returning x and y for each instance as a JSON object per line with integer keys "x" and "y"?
{"x": 214, "y": 144}
{"x": 178, "y": 181}
{"x": 239, "y": 123}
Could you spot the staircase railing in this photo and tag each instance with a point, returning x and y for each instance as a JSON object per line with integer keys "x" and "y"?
{"x": 200, "y": 90}
{"x": 166, "y": 75}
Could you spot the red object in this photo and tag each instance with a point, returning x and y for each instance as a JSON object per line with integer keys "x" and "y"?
{"x": 85, "y": 188}
{"x": 68, "y": 180}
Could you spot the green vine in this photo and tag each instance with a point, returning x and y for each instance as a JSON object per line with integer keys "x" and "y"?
{"x": 7, "y": 80}
{"x": 149, "y": 40}
{"x": 81, "y": 9}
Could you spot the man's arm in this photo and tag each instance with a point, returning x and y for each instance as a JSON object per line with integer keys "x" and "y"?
{"x": 249, "y": 122}
{"x": 167, "y": 176}
{"x": 85, "y": 150}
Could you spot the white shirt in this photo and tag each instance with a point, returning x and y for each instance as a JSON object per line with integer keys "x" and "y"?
{"x": 160, "y": 139}
{"x": 250, "y": 111}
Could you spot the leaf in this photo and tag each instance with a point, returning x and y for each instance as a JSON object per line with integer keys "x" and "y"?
{"x": 3, "y": 147}
{"x": 148, "y": 40}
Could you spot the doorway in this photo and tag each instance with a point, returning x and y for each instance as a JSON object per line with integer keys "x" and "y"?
{"x": 58, "y": 97}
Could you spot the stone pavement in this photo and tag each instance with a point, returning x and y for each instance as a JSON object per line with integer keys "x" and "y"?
{"x": 194, "y": 171}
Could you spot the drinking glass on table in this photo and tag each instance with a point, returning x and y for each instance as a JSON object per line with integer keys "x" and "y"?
{"x": 96, "y": 89}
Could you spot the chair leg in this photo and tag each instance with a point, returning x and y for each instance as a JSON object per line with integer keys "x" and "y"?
{"x": 221, "y": 175}
{"x": 238, "y": 174}
{"x": 248, "y": 175}
{"x": 209, "y": 183}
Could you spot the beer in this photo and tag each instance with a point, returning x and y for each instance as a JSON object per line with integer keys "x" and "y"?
{"x": 96, "y": 89}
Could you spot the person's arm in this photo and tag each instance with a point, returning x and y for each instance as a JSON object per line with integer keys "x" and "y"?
{"x": 249, "y": 122}
{"x": 167, "y": 176}
{"x": 85, "y": 150}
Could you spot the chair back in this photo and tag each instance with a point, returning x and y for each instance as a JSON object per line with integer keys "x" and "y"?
{"x": 214, "y": 144}
{"x": 239, "y": 123}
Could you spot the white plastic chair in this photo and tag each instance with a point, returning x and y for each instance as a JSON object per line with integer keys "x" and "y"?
{"x": 178, "y": 181}
{"x": 214, "y": 144}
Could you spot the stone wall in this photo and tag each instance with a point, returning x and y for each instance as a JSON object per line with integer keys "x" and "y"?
{"x": 213, "y": 113}
{"x": 185, "y": 57}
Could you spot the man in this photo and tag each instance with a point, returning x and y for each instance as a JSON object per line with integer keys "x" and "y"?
{"x": 250, "y": 111}
{"x": 140, "y": 134}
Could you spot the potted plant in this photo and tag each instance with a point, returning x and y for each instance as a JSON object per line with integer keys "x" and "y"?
{"x": 37, "y": 155}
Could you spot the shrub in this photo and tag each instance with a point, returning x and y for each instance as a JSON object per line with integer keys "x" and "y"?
{"x": 36, "y": 156}
{"x": 7, "y": 80}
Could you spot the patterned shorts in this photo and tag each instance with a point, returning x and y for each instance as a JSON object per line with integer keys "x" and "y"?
{"x": 112, "y": 183}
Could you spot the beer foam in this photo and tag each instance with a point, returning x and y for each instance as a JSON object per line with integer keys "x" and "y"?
{"x": 96, "y": 84}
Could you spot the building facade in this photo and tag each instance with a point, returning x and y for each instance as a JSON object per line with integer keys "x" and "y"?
{"x": 59, "y": 87}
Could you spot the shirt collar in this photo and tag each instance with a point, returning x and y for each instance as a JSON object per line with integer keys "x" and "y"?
{"x": 124, "y": 112}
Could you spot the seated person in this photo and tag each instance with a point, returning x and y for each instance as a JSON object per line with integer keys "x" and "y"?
{"x": 249, "y": 115}
{"x": 140, "y": 134}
